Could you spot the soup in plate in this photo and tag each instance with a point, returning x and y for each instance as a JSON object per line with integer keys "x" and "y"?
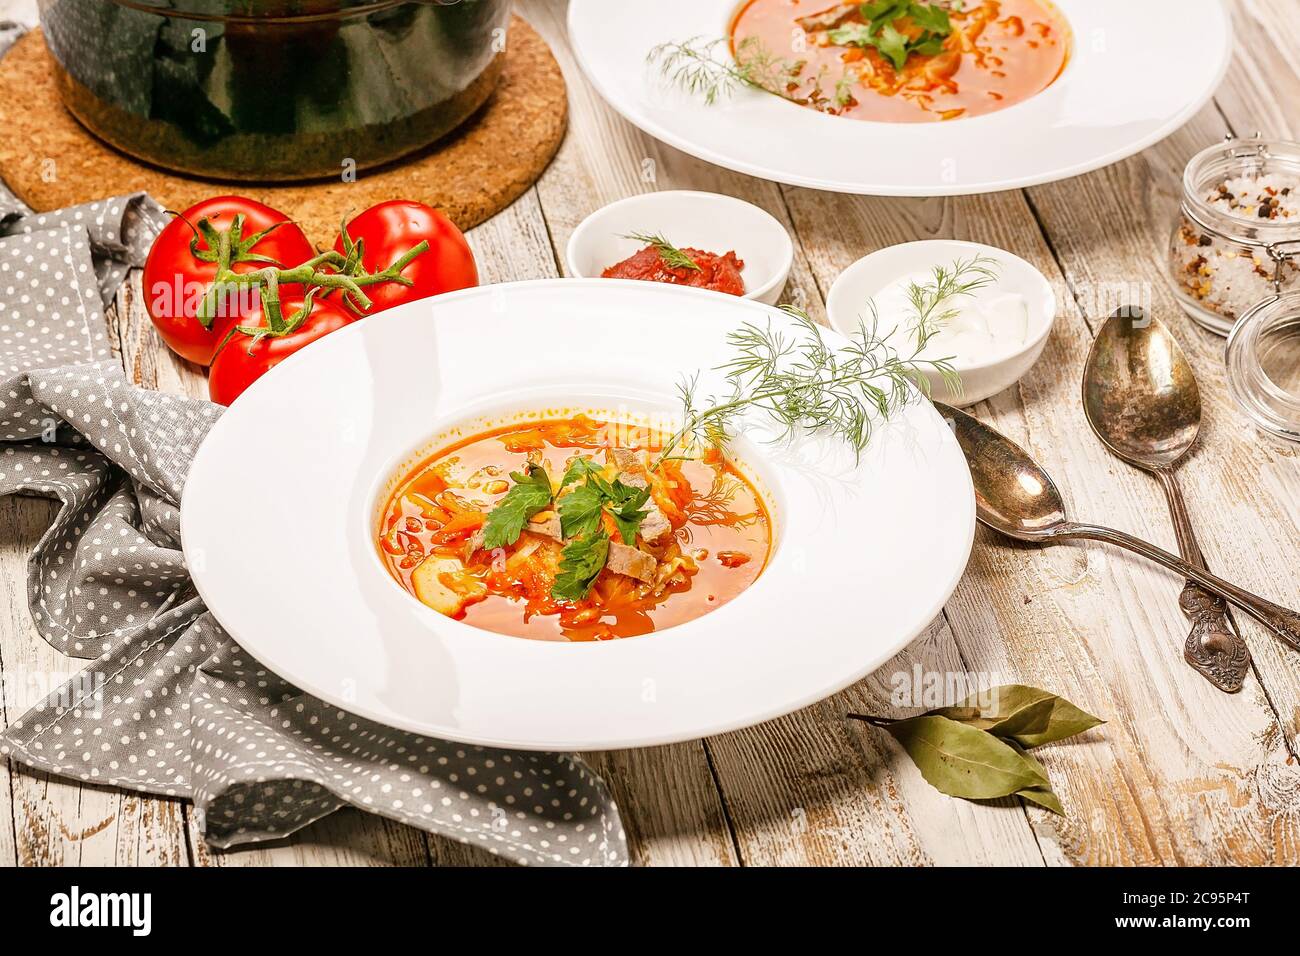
{"x": 902, "y": 62}
{"x": 573, "y": 529}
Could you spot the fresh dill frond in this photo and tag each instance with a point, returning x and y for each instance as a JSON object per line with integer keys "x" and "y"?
{"x": 716, "y": 506}
{"x": 931, "y": 302}
{"x": 802, "y": 383}
{"x": 671, "y": 256}
{"x": 704, "y": 68}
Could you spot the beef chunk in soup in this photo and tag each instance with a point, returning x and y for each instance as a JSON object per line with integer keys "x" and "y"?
{"x": 633, "y": 562}
{"x": 548, "y": 525}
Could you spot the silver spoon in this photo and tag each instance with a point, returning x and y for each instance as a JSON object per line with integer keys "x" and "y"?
{"x": 1016, "y": 497}
{"x": 1141, "y": 399}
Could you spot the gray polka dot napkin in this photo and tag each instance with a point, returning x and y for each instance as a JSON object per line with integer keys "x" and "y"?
{"x": 170, "y": 703}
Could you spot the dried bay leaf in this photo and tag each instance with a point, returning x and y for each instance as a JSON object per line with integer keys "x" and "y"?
{"x": 964, "y": 761}
{"x": 1043, "y": 796}
{"x": 1028, "y": 715}
{"x": 978, "y": 749}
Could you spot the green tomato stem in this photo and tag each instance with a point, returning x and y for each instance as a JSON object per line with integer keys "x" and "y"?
{"x": 226, "y": 248}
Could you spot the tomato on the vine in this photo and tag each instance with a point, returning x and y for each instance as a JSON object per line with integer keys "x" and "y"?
{"x": 389, "y": 230}
{"x": 175, "y": 280}
{"x": 244, "y": 358}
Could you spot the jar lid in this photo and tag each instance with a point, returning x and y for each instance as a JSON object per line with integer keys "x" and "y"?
{"x": 1263, "y": 361}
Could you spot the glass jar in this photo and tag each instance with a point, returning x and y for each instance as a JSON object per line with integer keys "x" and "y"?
{"x": 273, "y": 89}
{"x": 1238, "y": 233}
{"x": 1264, "y": 364}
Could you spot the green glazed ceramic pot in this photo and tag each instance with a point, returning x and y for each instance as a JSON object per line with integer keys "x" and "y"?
{"x": 274, "y": 89}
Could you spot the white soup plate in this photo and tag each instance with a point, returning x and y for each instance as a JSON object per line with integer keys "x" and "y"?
{"x": 1138, "y": 70}
{"x": 282, "y": 504}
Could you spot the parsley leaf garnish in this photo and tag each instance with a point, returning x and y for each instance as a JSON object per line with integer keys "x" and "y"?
{"x": 626, "y": 513}
{"x": 880, "y": 32}
{"x": 581, "y": 562}
{"x": 892, "y": 45}
{"x": 530, "y": 494}
{"x": 930, "y": 17}
{"x": 581, "y": 507}
{"x": 578, "y": 469}
{"x": 580, "y": 510}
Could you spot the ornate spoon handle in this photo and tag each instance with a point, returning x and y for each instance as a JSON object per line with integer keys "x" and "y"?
{"x": 1212, "y": 647}
{"x": 1281, "y": 621}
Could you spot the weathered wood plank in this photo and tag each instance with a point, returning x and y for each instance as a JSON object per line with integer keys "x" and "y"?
{"x": 1085, "y": 622}
{"x": 55, "y": 821}
{"x": 1225, "y": 765}
{"x": 805, "y": 789}
{"x": 1262, "y": 88}
{"x": 347, "y": 837}
{"x": 671, "y": 810}
{"x": 148, "y": 362}
{"x": 21, "y": 524}
{"x": 815, "y": 788}
{"x": 1242, "y": 786}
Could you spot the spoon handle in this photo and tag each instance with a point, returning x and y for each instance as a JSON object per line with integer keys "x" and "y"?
{"x": 1212, "y": 648}
{"x": 1281, "y": 621}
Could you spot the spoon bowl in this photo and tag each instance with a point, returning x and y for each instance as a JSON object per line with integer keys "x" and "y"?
{"x": 1013, "y": 494}
{"x": 1139, "y": 392}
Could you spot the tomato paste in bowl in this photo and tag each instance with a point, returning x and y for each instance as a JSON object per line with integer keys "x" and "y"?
{"x": 700, "y": 269}
{"x": 273, "y": 89}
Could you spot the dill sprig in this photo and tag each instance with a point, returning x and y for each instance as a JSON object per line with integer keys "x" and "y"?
{"x": 931, "y": 303}
{"x": 715, "y": 505}
{"x": 802, "y": 383}
{"x": 670, "y": 255}
{"x": 695, "y": 66}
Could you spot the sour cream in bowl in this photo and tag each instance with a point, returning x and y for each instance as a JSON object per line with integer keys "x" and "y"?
{"x": 992, "y": 327}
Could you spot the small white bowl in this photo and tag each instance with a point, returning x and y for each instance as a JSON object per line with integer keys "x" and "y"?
{"x": 866, "y": 279}
{"x": 707, "y": 221}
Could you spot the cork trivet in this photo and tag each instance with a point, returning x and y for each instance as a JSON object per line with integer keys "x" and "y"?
{"x": 471, "y": 175}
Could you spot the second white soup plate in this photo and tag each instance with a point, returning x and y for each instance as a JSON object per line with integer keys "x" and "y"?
{"x": 1138, "y": 70}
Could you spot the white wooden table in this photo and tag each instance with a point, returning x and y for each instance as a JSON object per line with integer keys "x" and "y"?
{"x": 1181, "y": 774}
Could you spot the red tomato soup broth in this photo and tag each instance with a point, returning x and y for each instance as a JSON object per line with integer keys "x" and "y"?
{"x": 704, "y": 536}
{"x": 997, "y": 53}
